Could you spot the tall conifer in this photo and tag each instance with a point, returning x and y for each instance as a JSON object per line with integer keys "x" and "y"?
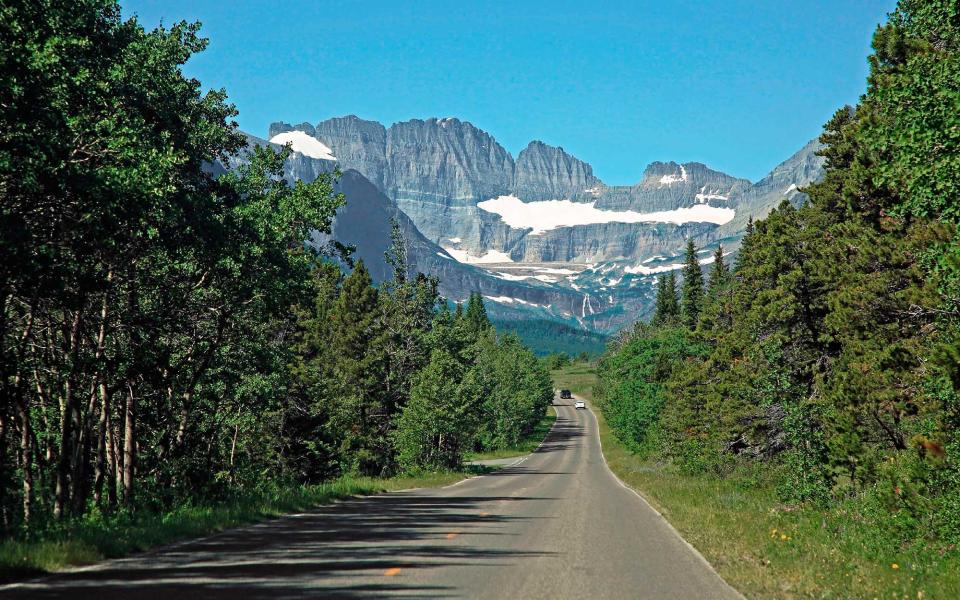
{"x": 692, "y": 295}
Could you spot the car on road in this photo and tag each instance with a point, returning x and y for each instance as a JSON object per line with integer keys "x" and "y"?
{"x": 565, "y": 395}
{"x": 579, "y": 404}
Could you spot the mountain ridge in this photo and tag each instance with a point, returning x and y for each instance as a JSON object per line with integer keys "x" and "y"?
{"x": 542, "y": 235}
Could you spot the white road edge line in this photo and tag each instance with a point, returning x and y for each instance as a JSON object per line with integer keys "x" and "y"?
{"x": 507, "y": 466}
{"x": 696, "y": 552}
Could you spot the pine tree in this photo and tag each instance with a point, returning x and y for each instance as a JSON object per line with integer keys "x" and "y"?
{"x": 477, "y": 321}
{"x": 667, "y": 305}
{"x": 356, "y": 413}
{"x": 692, "y": 295}
{"x": 719, "y": 274}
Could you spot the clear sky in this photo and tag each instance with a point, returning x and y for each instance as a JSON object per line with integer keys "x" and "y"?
{"x": 737, "y": 84}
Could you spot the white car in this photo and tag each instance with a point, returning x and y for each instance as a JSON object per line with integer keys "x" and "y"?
{"x": 579, "y": 404}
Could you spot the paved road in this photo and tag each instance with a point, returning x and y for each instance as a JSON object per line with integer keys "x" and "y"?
{"x": 555, "y": 525}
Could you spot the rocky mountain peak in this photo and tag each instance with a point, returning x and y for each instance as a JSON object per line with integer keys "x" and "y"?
{"x": 279, "y": 127}
{"x": 544, "y": 172}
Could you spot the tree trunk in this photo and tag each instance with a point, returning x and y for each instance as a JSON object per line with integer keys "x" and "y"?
{"x": 113, "y": 464}
{"x": 69, "y": 416}
{"x": 81, "y": 482}
{"x": 102, "y": 432}
{"x": 129, "y": 446}
{"x": 26, "y": 461}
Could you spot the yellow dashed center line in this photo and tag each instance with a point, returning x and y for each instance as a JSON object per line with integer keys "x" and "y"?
{"x": 391, "y": 572}
{"x": 452, "y": 535}
{"x": 484, "y": 514}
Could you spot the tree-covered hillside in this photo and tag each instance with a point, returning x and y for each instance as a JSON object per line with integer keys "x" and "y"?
{"x": 827, "y": 360}
{"x": 548, "y": 337}
{"x": 167, "y": 337}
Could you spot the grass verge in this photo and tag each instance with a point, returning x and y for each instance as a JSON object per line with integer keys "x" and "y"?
{"x": 526, "y": 445}
{"x": 92, "y": 540}
{"x": 767, "y": 549}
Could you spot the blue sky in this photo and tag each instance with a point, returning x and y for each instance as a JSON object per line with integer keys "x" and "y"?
{"x": 739, "y": 85}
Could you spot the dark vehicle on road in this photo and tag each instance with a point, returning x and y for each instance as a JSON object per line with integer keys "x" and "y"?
{"x": 565, "y": 395}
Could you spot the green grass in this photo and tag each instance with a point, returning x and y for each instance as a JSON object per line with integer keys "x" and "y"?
{"x": 526, "y": 445}
{"x": 767, "y": 549}
{"x": 89, "y": 541}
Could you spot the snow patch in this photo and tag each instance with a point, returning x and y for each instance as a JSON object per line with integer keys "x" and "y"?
{"x": 704, "y": 195}
{"x": 509, "y": 300}
{"x": 492, "y": 256}
{"x": 545, "y": 278}
{"x": 642, "y": 270}
{"x": 793, "y": 187}
{"x": 510, "y": 277}
{"x": 546, "y": 215}
{"x": 306, "y": 145}
{"x": 672, "y": 179}
{"x": 553, "y": 271}
{"x": 455, "y": 240}
{"x": 442, "y": 255}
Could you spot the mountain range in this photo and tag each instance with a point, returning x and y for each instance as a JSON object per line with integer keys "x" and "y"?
{"x": 539, "y": 235}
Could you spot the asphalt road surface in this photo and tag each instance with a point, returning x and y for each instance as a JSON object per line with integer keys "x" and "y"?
{"x": 557, "y": 524}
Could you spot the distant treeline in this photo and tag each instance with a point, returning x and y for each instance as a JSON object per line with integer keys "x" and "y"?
{"x": 166, "y": 336}
{"x": 550, "y": 337}
{"x": 828, "y": 358}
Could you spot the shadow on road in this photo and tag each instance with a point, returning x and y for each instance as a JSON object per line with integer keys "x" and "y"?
{"x": 341, "y": 551}
{"x": 565, "y": 434}
{"x": 310, "y": 554}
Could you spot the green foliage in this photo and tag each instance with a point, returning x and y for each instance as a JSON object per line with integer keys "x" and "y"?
{"x": 667, "y": 306}
{"x": 632, "y": 380}
{"x": 168, "y": 336}
{"x": 550, "y": 337}
{"x": 557, "y": 360}
{"x": 691, "y": 294}
{"x": 828, "y": 356}
{"x": 437, "y": 426}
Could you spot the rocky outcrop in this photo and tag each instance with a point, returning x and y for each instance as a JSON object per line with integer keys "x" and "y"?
{"x": 357, "y": 144}
{"x": 668, "y": 186}
{"x": 280, "y": 127}
{"x": 545, "y": 172}
{"x": 445, "y": 161}
{"x": 604, "y": 242}
{"x": 782, "y": 183}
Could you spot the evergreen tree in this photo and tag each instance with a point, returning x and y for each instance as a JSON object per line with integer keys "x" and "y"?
{"x": 691, "y": 301}
{"x": 358, "y": 371}
{"x": 719, "y": 273}
{"x": 475, "y": 316}
{"x": 667, "y": 306}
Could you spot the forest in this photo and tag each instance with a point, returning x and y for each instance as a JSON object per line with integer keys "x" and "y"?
{"x": 169, "y": 337}
{"x": 826, "y": 357}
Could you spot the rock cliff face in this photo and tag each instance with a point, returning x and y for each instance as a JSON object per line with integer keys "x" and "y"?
{"x": 782, "y": 183}
{"x": 540, "y": 235}
{"x": 364, "y": 222}
{"x": 360, "y": 145}
{"x": 447, "y": 161}
{"x": 544, "y": 172}
{"x": 668, "y": 186}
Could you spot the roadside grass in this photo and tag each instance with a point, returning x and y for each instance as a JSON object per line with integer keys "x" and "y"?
{"x": 94, "y": 539}
{"x": 767, "y": 549}
{"x": 526, "y": 445}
